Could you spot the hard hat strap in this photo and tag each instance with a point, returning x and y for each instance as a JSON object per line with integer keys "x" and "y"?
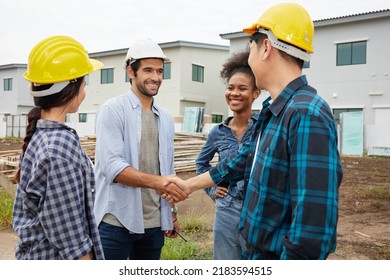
{"x": 55, "y": 88}
{"x": 280, "y": 45}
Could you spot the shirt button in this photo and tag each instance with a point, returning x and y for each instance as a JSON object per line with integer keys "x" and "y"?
{"x": 92, "y": 190}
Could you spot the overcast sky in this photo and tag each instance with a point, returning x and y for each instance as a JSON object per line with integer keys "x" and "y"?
{"x": 114, "y": 24}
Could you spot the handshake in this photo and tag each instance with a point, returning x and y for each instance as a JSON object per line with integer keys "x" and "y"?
{"x": 174, "y": 189}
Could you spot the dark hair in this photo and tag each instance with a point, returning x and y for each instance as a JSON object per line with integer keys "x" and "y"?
{"x": 134, "y": 66}
{"x": 45, "y": 103}
{"x": 238, "y": 63}
{"x": 259, "y": 38}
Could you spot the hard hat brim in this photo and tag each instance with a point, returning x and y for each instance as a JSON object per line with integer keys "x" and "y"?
{"x": 251, "y": 29}
{"x": 96, "y": 64}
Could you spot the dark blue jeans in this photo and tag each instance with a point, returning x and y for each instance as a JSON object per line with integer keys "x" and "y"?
{"x": 119, "y": 244}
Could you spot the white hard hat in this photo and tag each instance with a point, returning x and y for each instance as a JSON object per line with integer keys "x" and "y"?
{"x": 145, "y": 48}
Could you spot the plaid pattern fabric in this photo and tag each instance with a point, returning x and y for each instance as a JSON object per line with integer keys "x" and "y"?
{"x": 53, "y": 209}
{"x": 293, "y": 172}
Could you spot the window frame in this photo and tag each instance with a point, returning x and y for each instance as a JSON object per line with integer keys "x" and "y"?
{"x": 198, "y": 73}
{"x": 7, "y": 84}
{"x": 167, "y": 70}
{"x": 216, "y": 118}
{"x": 83, "y": 117}
{"x": 105, "y": 76}
{"x": 353, "y": 53}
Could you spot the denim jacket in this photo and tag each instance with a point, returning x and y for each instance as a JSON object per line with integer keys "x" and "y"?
{"x": 223, "y": 141}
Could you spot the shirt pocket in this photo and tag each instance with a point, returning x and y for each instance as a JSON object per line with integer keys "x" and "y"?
{"x": 223, "y": 151}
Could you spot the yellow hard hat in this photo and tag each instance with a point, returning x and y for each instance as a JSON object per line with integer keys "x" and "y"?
{"x": 58, "y": 59}
{"x": 289, "y": 22}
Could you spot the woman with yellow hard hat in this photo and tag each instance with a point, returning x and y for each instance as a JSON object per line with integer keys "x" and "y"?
{"x": 53, "y": 210}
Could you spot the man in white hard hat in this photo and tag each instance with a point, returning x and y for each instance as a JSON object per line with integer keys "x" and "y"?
{"x": 134, "y": 146}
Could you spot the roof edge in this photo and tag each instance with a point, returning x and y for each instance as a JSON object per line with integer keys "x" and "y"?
{"x": 328, "y": 21}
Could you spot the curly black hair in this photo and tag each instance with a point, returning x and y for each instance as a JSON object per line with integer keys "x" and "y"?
{"x": 237, "y": 63}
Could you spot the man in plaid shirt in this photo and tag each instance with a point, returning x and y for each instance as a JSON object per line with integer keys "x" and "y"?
{"x": 291, "y": 167}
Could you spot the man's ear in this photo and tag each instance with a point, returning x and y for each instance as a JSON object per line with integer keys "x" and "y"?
{"x": 267, "y": 48}
{"x": 130, "y": 72}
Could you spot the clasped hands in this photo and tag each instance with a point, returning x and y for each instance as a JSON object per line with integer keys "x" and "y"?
{"x": 173, "y": 189}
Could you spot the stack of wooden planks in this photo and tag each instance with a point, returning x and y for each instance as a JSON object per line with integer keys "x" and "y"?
{"x": 187, "y": 148}
{"x": 9, "y": 162}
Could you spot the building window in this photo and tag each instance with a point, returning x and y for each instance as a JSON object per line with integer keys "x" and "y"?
{"x": 351, "y": 53}
{"x": 167, "y": 71}
{"x": 127, "y": 78}
{"x": 8, "y": 84}
{"x": 216, "y": 118}
{"x": 337, "y": 112}
{"x": 86, "y": 79}
{"x": 197, "y": 73}
{"x": 306, "y": 64}
{"x": 83, "y": 117}
{"x": 107, "y": 76}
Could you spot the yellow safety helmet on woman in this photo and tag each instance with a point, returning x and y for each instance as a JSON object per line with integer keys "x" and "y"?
{"x": 289, "y": 23}
{"x": 59, "y": 59}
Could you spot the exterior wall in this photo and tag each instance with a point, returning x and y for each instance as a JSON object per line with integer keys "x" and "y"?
{"x": 17, "y": 100}
{"x": 365, "y": 86}
{"x": 211, "y": 91}
{"x": 3, "y": 126}
{"x": 168, "y": 96}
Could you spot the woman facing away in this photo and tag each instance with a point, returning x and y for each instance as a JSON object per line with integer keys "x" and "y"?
{"x": 53, "y": 209}
{"x": 225, "y": 139}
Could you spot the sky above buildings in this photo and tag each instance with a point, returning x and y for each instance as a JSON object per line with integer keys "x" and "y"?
{"x": 102, "y": 25}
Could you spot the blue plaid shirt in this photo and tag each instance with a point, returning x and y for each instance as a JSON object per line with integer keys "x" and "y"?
{"x": 53, "y": 210}
{"x": 292, "y": 171}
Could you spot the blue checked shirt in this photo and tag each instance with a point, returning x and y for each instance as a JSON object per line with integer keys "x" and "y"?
{"x": 292, "y": 171}
{"x": 53, "y": 210}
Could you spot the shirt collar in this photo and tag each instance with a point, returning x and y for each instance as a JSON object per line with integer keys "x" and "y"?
{"x": 135, "y": 102}
{"x": 251, "y": 121}
{"x": 47, "y": 124}
{"x": 278, "y": 104}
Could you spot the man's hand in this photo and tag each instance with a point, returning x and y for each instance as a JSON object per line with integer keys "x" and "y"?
{"x": 180, "y": 183}
{"x": 176, "y": 228}
{"x": 175, "y": 192}
{"x": 169, "y": 191}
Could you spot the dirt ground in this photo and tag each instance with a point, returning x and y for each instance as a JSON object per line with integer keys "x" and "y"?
{"x": 364, "y": 216}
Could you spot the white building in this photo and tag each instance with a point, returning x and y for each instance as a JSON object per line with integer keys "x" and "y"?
{"x": 350, "y": 69}
{"x": 14, "y": 100}
{"x": 191, "y": 79}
